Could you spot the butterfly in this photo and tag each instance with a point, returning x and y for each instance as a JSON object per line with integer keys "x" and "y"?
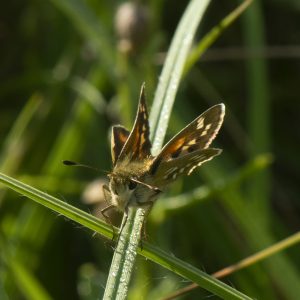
{"x": 138, "y": 177}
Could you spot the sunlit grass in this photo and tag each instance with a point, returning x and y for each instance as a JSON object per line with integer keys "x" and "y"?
{"x": 66, "y": 83}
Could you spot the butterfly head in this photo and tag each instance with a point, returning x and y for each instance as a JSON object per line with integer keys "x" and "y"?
{"x": 122, "y": 190}
{"x": 128, "y": 188}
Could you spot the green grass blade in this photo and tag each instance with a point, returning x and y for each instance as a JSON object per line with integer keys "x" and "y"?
{"x": 16, "y": 139}
{"x": 213, "y": 35}
{"x": 25, "y": 280}
{"x": 280, "y": 268}
{"x": 58, "y": 206}
{"x": 30, "y": 287}
{"x": 259, "y": 108}
{"x": 246, "y": 262}
{"x": 190, "y": 272}
{"x": 172, "y": 71}
{"x": 118, "y": 280}
{"x": 89, "y": 25}
{"x": 166, "y": 260}
{"x": 69, "y": 142}
{"x": 124, "y": 258}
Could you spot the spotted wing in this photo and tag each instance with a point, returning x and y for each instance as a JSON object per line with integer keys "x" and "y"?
{"x": 190, "y": 141}
{"x": 119, "y": 137}
{"x": 184, "y": 165}
{"x": 138, "y": 145}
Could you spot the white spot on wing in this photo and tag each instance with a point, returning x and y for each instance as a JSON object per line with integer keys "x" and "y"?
{"x": 200, "y": 123}
{"x": 207, "y": 127}
{"x": 192, "y": 142}
{"x": 191, "y": 170}
{"x": 204, "y": 132}
{"x": 171, "y": 170}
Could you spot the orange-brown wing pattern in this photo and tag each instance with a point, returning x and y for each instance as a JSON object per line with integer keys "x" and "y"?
{"x": 196, "y": 136}
{"x": 119, "y": 137}
{"x": 138, "y": 145}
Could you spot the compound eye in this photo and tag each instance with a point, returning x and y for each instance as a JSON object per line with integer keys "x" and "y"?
{"x": 132, "y": 185}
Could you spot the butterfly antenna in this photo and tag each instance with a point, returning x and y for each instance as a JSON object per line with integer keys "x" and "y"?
{"x": 75, "y": 164}
{"x": 151, "y": 187}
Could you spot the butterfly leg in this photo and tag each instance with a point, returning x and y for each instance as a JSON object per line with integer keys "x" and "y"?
{"x": 106, "y": 194}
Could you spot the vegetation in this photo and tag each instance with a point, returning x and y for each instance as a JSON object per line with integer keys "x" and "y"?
{"x": 69, "y": 70}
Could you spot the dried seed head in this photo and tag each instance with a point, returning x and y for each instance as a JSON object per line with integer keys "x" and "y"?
{"x": 93, "y": 197}
{"x": 131, "y": 24}
{"x": 93, "y": 192}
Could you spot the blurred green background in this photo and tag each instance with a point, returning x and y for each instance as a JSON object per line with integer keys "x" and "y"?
{"x": 67, "y": 74}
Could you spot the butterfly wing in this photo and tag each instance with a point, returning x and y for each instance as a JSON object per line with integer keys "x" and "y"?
{"x": 138, "y": 145}
{"x": 169, "y": 170}
{"x": 189, "y": 144}
{"x": 119, "y": 137}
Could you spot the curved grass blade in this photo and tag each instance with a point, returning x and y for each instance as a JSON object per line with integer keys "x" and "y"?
{"x": 172, "y": 71}
{"x": 123, "y": 264}
{"x": 244, "y": 263}
{"x": 153, "y": 253}
{"x": 58, "y": 206}
{"x": 213, "y": 35}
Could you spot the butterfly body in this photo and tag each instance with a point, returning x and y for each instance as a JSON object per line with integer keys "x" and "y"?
{"x": 123, "y": 186}
{"x": 138, "y": 177}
